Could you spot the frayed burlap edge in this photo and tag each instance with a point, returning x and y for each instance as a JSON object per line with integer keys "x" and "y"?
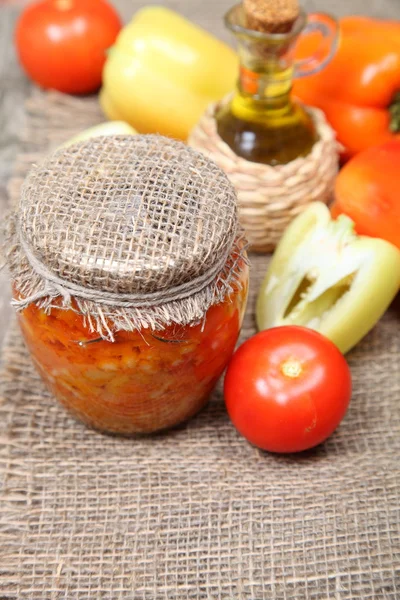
{"x": 106, "y": 320}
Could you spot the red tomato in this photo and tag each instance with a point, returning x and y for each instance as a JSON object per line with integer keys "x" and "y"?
{"x": 62, "y": 44}
{"x": 287, "y": 389}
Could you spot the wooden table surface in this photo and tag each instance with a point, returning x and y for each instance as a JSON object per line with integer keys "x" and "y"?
{"x": 14, "y": 87}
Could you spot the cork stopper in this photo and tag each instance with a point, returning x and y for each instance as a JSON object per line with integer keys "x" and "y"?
{"x": 271, "y": 16}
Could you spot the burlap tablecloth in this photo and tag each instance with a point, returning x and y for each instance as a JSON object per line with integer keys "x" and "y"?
{"x": 196, "y": 513}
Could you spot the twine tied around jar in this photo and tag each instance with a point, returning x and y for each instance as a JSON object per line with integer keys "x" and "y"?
{"x": 130, "y": 231}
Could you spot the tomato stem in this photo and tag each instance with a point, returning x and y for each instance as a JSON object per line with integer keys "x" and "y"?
{"x": 292, "y": 368}
{"x": 394, "y": 110}
{"x": 64, "y": 5}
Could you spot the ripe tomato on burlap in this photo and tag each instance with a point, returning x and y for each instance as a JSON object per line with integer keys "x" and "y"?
{"x": 287, "y": 389}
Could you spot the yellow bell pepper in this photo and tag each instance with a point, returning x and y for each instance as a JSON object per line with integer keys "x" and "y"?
{"x": 163, "y": 71}
{"x": 326, "y": 277}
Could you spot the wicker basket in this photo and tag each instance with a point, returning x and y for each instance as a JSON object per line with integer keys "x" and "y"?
{"x": 270, "y": 197}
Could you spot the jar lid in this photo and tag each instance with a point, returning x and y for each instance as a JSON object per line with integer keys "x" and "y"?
{"x": 131, "y": 225}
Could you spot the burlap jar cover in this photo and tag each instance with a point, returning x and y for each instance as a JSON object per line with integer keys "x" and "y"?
{"x": 271, "y": 196}
{"x": 129, "y": 236}
{"x": 135, "y": 231}
{"x": 197, "y": 513}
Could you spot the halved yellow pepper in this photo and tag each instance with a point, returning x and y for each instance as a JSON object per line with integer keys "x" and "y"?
{"x": 326, "y": 277}
{"x": 107, "y": 128}
{"x": 163, "y": 71}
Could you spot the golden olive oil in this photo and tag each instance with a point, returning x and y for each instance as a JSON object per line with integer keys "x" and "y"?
{"x": 264, "y": 131}
{"x": 262, "y": 123}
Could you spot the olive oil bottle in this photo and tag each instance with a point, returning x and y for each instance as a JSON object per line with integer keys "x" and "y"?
{"x": 262, "y": 123}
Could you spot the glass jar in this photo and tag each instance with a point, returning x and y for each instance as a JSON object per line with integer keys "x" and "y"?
{"x": 130, "y": 283}
{"x": 143, "y": 381}
{"x": 262, "y": 122}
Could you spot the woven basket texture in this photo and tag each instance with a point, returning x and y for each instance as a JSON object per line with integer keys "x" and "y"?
{"x": 271, "y": 196}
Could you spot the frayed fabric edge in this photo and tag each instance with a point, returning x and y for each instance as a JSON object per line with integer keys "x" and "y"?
{"x": 106, "y": 320}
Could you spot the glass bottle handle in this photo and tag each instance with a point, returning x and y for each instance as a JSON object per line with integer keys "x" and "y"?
{"x": 328, "y": 28}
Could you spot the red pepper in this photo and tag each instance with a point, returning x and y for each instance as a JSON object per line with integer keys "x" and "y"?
{"x": 359, "y": 90}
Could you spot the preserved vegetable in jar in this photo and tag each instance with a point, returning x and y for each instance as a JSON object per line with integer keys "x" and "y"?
{"x": 141, "y": 380}
{"x": 130, "y": 282}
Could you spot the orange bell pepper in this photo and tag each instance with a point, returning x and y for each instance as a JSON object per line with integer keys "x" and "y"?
{"x": 359, "y": 90}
